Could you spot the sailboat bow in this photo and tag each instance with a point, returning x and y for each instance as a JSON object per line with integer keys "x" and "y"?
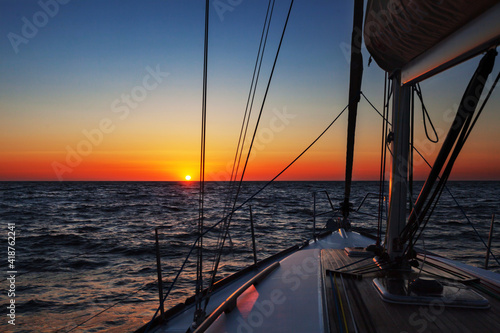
{"x": 342, "y": 280}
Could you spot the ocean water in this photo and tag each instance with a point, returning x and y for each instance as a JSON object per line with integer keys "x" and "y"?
{"x": 85, "y": 251}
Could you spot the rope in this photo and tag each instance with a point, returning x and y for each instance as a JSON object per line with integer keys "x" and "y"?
{"x": 471, "y": 224}
{"x": 279, "y": 173}
{"x": 349, "y": 304}
{"x": 353, "y": 263}
{"x": 366, "y": 318}
{"x": 340, "y": 301}
{"x": 460, "y": 276}
{"x": 178, "y": 274}
{"x": 373, "y": 106}
{"x": 335, "y": 297}
{"x": 465, "y": 132}
{"x": 449, "y": 152}
{"x": 425, "y": 114}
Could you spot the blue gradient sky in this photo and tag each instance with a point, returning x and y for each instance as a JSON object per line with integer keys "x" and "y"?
{"x": 65, "y": 79}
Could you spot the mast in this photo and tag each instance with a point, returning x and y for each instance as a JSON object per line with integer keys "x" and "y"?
{"x": 356, "y": 70}
{"x": 398, "y": 183}
{"x": 477, "y": 36}
{"x": 425, "y": 45}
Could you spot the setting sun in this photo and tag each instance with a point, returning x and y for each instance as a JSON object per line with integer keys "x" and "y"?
{"x": 188, "y": 177}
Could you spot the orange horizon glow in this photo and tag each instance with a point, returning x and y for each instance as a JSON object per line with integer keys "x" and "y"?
{"x": 52, "y": 166}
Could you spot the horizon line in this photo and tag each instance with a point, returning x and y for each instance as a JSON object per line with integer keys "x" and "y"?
{"x": 227, "y": 181}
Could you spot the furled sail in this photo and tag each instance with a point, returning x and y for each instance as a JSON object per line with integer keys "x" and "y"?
{"x": 398, "y": 31}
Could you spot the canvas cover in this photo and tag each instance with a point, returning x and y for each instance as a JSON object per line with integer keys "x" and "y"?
{"x": 397, "y": 31}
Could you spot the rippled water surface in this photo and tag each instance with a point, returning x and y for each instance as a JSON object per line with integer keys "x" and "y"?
{"x": 85, "y": 247}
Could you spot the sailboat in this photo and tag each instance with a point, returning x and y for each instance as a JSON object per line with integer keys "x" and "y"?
{"x": 342, "y": 280}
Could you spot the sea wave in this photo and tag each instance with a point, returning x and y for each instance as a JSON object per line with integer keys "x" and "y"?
{"x": 83, "y": 246}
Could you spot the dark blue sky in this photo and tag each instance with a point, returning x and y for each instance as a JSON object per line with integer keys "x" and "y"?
{"x": 64, "y": 77}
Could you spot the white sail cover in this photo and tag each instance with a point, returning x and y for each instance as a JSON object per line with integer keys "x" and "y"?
{"x": 397, "y": 31}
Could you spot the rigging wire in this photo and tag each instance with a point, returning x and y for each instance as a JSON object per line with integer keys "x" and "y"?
{"x": 483, "y": 105}
{"x": 460, "y": 144}
{"x": 229, "y": 217}
{"x": 263, "y": 103}
{"x": 383, "y": 154}
{"x": 384, "y": 148}
{"x": 199, "y": 264}
{"x": 430, "y": 166}
{"x": 442, "y": 181}
{"x": 452, "y": 146}
{"x": 449, "y": 151}
{"x": 244, "y": 125}
{"x": 249, "y": 199}
{"x": 423, "y": 261}
{"x": 459, "y": 207}
{"x": 412, "y": 140}
{"x": 251, "y": 95}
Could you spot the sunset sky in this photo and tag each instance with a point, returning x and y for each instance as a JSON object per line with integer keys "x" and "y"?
{"x": 111, "y": 90}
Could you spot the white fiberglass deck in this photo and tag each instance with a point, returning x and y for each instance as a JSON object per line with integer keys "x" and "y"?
{"x": 290, "y": 299}
{"x": 295, "y": 296}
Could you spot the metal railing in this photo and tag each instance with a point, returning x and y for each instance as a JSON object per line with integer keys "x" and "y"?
{"x": 488, "y": 248}
{"x": 315, "y": 214}
{"x": 162, "y": 297}
{"x": 335, "y": 210}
